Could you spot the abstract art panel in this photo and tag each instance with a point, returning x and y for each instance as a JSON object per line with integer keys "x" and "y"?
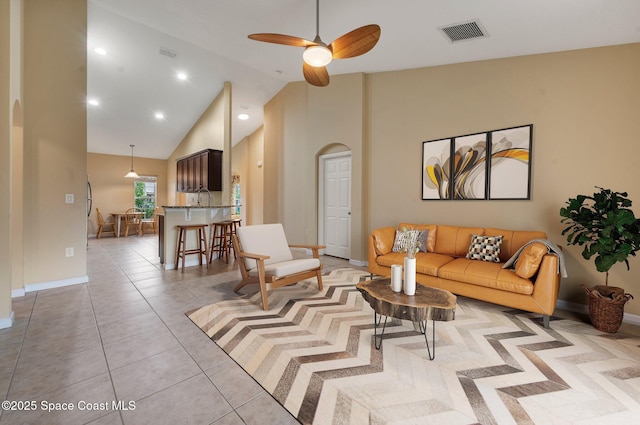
{"x": 510, "y": 167}
{"x": 470, "y": 167}
{"x": 436, "y": 169}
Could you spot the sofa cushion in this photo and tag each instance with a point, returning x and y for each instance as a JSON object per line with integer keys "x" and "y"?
{"x": 482, "y": 273}
{"x": 383, "y": 239}
{"x": 431, "y": 233}
{"x": 485, "y": 248}
{"x": 426, "y": 262}
{"x": 455, "y": 240}
{"x": 286, "y": 268}
{"x": 529, "y": 259}
{"x": 513, "y": 240}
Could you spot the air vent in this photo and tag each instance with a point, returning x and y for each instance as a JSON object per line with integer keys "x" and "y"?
{"x": 464, "y": 31}
{"x": 168, "y": 52}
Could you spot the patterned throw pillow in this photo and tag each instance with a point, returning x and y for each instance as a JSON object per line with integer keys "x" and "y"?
{"x": 485, "y": 248}
{"x": 403, "y": 239}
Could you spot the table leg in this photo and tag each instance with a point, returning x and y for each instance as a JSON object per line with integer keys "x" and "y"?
{"x": 377, "y": 340}
{"x": 423, "y": 330}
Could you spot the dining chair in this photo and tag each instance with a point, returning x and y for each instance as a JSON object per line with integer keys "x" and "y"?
{"x": 104, "y": 225}
{"x": 151, "y": 222}
{"x": 133, "y": 218}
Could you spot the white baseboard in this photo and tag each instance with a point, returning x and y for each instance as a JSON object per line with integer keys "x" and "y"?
{"x": 6, "y": 322}
{"x": 15, "y": 293}
{"x": 633, "y": 319}
{"x": 358, "y": 263}
{"x": 31, "y": 287}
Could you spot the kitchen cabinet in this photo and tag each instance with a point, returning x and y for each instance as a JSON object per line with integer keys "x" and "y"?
{"x": 200, "y": 170}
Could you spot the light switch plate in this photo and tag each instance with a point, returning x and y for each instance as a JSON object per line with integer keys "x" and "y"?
{"x": 68, "y": 252}
{"x": 68, "y": 198}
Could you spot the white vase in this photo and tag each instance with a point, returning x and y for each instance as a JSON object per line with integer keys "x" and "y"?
{"x": 396, "y": 278}
{"x": 409, "y": 276}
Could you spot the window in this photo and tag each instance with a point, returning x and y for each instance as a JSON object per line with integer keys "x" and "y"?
{"x": 145, "y": 194}
{"x": 235, "y": 184}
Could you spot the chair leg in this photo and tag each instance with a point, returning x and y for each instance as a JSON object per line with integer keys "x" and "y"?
{"x": 178, "y": 249}
{"x": 263, "y": 286}
{"x": 319, "y": 276}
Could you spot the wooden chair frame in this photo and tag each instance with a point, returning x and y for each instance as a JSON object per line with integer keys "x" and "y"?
{"x": 132, "y": 217}
{"x": 150, "y": 222}
{"x": 263, "y": 278}
{"x": 102, "y": 224}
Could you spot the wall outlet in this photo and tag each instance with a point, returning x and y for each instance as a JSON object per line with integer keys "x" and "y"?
{"x": 68, "y": 198}
{"x": 68, "y": 252}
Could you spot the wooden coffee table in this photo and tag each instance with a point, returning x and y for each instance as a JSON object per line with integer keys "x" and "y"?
{"x": 427, "y": 303}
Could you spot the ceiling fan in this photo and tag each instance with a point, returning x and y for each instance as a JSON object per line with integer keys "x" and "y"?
{"x": 318, "y": 54}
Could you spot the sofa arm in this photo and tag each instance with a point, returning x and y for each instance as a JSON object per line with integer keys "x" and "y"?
{"x": 547, "y": 284}
{"x": 380, "y": 243}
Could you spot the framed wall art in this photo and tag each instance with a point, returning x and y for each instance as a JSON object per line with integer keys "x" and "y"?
{"x": 489, "y": 165}
{"x": 436, "y": 169}
{"x": 510, "y": 166}
{"x": 470, "y": 167}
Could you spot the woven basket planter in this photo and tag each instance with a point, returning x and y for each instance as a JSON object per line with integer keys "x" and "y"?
{"x": 606, "y": 307}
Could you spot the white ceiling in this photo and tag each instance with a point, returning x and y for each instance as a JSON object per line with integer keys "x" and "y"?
{"x": 133, "y": 80}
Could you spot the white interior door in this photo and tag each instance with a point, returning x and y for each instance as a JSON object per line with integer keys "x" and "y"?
{"x": 337, "y": 205}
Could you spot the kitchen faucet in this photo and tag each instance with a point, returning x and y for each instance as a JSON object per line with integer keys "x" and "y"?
{"x": 209, "y": 193}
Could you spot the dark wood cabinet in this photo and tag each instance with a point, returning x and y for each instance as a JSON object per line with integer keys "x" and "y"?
{"x": 200, "y": 170}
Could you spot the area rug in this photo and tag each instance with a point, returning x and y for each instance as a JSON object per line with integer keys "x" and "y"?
{"x": 313, "y": 351}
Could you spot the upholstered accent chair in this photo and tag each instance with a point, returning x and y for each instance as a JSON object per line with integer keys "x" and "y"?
{"x": 266, "y": 259}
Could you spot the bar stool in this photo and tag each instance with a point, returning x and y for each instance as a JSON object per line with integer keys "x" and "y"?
{"x": 182, "y": 251}
{"x": 221, "y": 240}
{"x": 235, "y": 223}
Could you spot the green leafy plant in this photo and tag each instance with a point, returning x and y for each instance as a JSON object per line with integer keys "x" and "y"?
{"x": 605, "y": 225}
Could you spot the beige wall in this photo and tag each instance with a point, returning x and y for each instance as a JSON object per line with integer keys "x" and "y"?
{"x": 583, "y": 105}
{"x": 211, "y": 131}
{"x": 301, "y": 123}
{"x": 111, "y": 191}
{"x": 248, "y": 162}
{"x": 6, "y": 124}
{"x": 55, "y": 140}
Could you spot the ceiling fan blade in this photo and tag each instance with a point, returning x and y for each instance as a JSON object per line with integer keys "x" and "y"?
{"x": 287, "y": 40}
{"x": 316, "y": 76}
{"x": 356, "y": 42}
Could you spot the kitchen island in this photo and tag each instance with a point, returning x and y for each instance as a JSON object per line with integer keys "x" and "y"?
{"x": 184, "y": 215}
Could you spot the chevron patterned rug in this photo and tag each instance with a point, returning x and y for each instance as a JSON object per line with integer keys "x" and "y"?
{"x": 314, "y": 352}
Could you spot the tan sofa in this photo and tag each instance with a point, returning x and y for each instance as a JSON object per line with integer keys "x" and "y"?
{"x": 444, "y": 266}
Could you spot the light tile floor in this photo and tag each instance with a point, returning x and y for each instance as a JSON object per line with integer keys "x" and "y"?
{"x": 124, "y": 338}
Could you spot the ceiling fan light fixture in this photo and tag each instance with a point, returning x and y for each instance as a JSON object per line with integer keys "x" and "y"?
{"x": 317, "y": 55}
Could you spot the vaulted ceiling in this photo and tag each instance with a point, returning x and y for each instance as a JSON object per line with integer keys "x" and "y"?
{"x": 147, "y": 42}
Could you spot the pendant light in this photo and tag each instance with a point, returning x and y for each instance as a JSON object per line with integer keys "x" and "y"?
{"x": 132, "y": 174}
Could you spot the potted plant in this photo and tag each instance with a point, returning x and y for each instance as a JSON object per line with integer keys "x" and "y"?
{"x": 609, "y": 231}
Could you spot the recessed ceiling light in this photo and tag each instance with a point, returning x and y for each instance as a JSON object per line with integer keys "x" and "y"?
{"x": 181, "y": 76}
{"x": 243, "y": 116}
{"x": 101, "y": 51}
{"x": 159, "y": 116}
{"x": 93, "y": 102}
